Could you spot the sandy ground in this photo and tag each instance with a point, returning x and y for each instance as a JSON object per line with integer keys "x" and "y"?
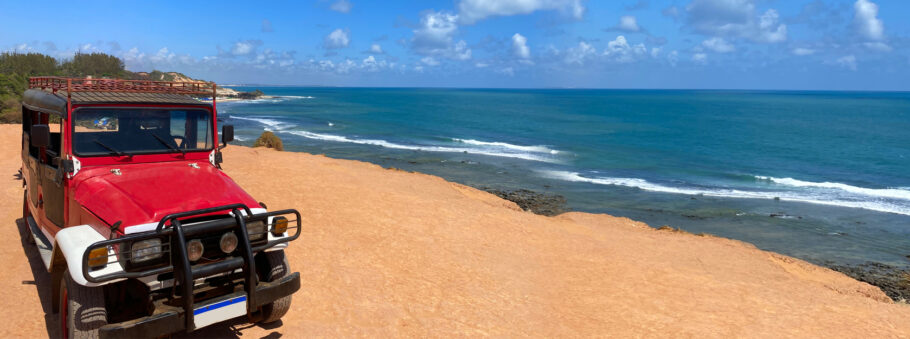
{"x": 391, "y": 253}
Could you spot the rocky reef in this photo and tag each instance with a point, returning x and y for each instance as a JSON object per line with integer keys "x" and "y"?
{"x": 538, "y": 203}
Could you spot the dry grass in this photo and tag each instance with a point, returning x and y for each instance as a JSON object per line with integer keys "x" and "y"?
{"x": 269, "y": 140}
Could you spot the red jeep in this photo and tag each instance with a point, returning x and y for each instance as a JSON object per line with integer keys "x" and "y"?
{"x": 141, "y": 231}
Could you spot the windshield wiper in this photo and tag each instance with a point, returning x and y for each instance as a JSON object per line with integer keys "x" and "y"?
{"x": 113, "y": 150}
{"x": 164, "y": 142}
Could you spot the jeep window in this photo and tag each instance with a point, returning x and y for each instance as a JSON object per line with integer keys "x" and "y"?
{"x": 104, "y": 131}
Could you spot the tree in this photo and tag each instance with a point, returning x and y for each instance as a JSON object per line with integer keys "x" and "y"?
{"x": 94, "y": 64}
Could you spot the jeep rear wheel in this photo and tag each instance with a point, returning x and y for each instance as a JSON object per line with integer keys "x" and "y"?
{"x": 273, "y": 266}
{"x": 82, "y": 310}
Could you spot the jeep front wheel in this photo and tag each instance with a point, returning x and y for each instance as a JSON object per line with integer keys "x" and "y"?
{"x": 273, "y": 266}
{"x": 82, "y": 310}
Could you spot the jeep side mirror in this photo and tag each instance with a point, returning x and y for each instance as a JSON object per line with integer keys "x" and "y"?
{"x": 227, "y": 133}
{"x": 40, "y": 135}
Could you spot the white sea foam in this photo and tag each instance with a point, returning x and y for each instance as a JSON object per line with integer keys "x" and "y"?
{"x": 807, "y": 196}
{"x": 425, "y": 148}
{"x": 535, "y": 149}
{"x": 892, "y": 193}
{"x": 274, "y": 99}
{"x": 271, "y": 124}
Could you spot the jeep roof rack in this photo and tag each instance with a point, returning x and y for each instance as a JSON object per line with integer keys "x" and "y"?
{"x": 120, "y": 90}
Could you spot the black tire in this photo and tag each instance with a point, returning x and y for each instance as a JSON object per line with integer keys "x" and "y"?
{"x": 25, "y": 214}
{"x": 273, "y": 266}
{"x": 82, "y": 310}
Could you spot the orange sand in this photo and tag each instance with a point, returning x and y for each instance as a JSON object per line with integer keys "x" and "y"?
{"x": 391, "y": 253}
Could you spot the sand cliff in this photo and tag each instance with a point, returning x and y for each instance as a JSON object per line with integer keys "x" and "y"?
{"x": 392, "y": 253}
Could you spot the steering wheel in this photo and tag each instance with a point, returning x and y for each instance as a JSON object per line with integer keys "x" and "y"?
{"x": 182, "y": 140}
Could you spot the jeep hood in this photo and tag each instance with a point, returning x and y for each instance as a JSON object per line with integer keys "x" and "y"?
{"x": 145, "y": 193}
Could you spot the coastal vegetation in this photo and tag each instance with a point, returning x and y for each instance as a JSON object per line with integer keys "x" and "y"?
{"x": 269, "y": 140}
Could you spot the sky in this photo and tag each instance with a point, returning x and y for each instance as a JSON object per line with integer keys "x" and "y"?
{"x": 660, "y": 44}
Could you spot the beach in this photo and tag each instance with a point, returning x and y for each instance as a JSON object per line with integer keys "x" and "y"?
{"x": 387, "y": 252}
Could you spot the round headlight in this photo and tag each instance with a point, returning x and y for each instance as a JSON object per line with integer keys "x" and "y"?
{"x": 228, "y": 242}
{"x": 194, "y": 250}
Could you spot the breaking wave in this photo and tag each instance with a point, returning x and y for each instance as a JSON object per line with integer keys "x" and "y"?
{"x": 807, "y": 192}
{"x": 489, "y": 151}
{"x": 271, "y": 124}
{"x": 890, "y": 193}
{"x": 535, "y": 149}
{"x": 272, "y": 99}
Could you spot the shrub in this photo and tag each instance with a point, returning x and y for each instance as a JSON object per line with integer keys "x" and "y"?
{"x": 10, "y": 111}
{"x": 269, "y": 140}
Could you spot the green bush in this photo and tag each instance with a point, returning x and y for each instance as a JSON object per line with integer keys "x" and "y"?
{"x": 269, "y": 140}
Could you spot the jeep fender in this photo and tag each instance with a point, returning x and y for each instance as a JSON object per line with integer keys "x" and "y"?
{"x": 72, "y": 242}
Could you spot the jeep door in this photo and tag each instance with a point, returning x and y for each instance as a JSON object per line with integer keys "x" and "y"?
{"x": 45, "y": 177}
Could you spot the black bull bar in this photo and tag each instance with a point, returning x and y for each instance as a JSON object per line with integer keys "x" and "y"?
{"x": 185, "y": 274}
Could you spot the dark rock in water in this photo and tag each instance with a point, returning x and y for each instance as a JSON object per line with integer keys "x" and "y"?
{"x": 784, "y": 216}
{"x": 894, "y": 281}
{"x": 539, "y": 203}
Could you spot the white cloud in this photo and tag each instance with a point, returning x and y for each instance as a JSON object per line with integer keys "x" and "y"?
{"x": 655, "y": 51}
{"x": 718, "y": 45}
{"x": 461, "y": 51}
{"x": 735, "y": 19}
{"x": 848, "y": 62}
{"x": 370, "y": 64}
{"x": 337, "y": 39}
{"x": 481, "y": 65}
{"x": 520, "y": 46}
{"x": 700, "y": 58}
{"x": 376, "y": 49}
{"x": 801, "y": 51}
{"x": 162, "y": 56}
{"x": 473, "y": 10}
{"x": 242, "y": 48}
{"x": 345, "y": 66}
{"x": 341, "y": 6}
{"x": 866, "y": 20}
{"x": 628, "y": 23}
{"x": 673, "y": 58}
{"x": 509, "y": 71}
{"x": 436, "y": 30}
{"x": 878, "y": 46}
{"x": 326, "y": 65}
{"x": 620, "y": 51}
{"x": 577, "y": 55}
{"x": 768, "y": 28}
{"x": 435, "y": 37}
{"x": 24, "y": 48}
{"x": 429, "y": 61}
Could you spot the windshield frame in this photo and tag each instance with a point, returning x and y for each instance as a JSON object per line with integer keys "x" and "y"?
{"x": 209, "y": 111}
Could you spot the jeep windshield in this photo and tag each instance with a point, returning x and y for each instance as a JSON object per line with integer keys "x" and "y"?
{"x": 130, "y": 131}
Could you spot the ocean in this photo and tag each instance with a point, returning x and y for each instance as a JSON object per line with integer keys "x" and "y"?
{"x": 821, "y": 176}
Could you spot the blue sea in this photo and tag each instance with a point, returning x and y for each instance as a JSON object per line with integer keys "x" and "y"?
{"x": 822, "y": 176}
